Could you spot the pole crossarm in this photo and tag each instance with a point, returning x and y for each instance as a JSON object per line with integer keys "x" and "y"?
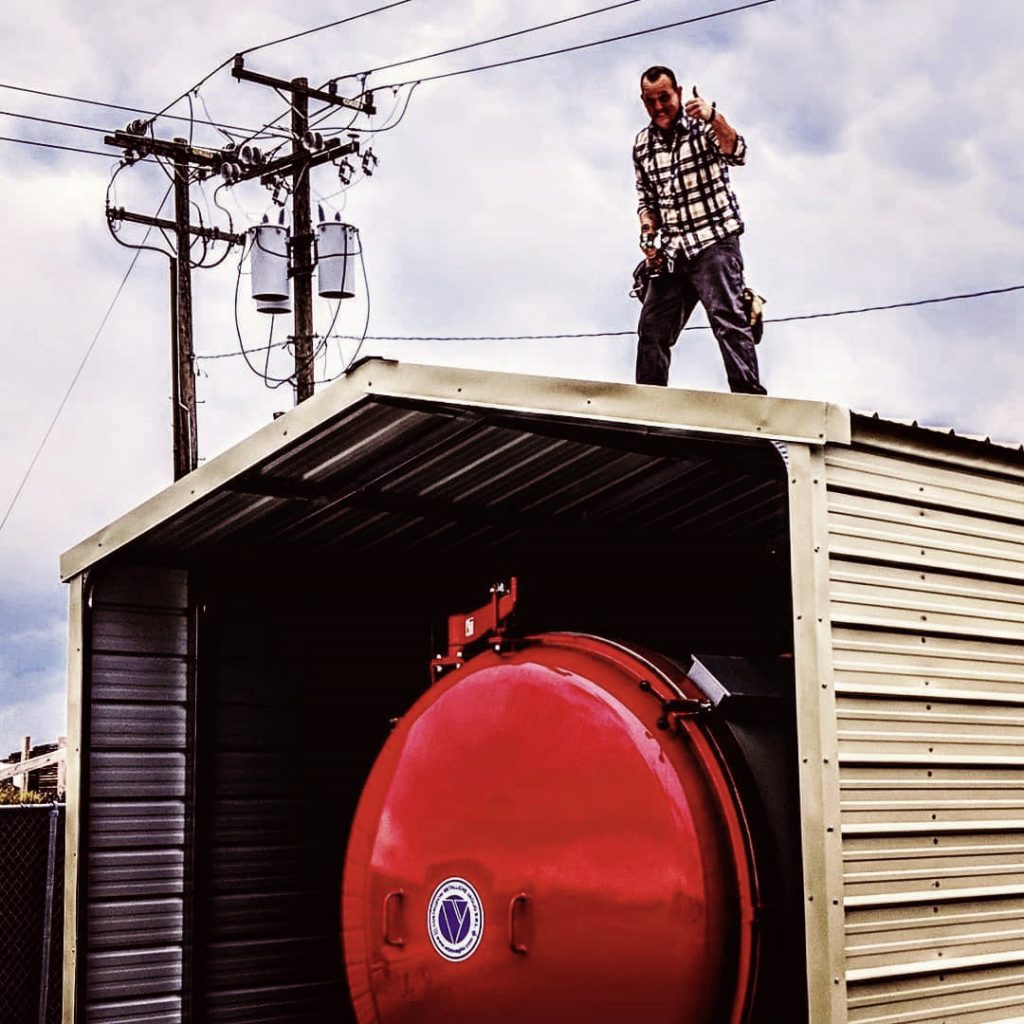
{"x": 333, "y": 149}
{"x": 214, "y": 234}
{"x": 144, "y": 145}
{"x": 215, "y": 159}
{"x": 242, "y": 73}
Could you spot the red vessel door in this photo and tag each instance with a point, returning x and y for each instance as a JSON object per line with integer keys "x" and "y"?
{"x": 532, "y": 847}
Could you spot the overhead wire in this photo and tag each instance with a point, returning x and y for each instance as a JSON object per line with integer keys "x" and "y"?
{"x": 74, "y": 381}
{"x": 518, "y": 60}
{"x": 485, "y": 42}
{"x": 896, "y": 305}
{"x": 111, "y": 186}
{"x": 585, "y": 46}
{"x": 366, "y": 322}
{"x": 270, "y": 382}
{"x": 270, "y": 125}
{"x": 389, "y": 122}
{"x": 468, "y": 46}
{"x": 54, "y": 145}
{"x": 621, "y": 334}
{"x": 386, "y": 127}
{"x": 231, "y": 228}
{"x": 162, "y": 112}
{"x": 49, "y": 120}
{"x": 196, "y": 264}
{"x": 227, "y": 135}
{"x": 275, "y": 42}
{"x": 322, "y": 28}
{"x": 116, "y": 106}
{"x": 360, "y": 338}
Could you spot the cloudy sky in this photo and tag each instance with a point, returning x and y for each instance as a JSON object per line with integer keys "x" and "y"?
{"x": 886, "y": 161}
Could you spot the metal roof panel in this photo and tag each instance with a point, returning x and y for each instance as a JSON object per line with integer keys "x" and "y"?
{"x": 402, "y": 430}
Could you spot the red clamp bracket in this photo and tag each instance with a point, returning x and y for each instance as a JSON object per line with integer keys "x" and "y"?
{"x": 485, "y": 623}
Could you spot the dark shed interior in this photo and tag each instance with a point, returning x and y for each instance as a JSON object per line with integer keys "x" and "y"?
{"x": 245, "y": 658}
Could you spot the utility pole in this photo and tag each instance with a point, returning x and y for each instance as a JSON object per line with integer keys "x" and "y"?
{"x": 302, "y": 243}
{"x": 299, "y": 163}
{"x": 186, "y": 434}
{"x": 184, "y": 428}
{"x": 306, "y": 152}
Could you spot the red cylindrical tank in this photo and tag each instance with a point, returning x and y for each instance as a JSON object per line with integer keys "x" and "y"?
{"x": 544, "y": 838}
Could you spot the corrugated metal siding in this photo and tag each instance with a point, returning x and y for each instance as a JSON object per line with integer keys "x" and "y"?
{"x": 134, "y": 840}
{"x": 927, "y": 603}
{"x": 269, "y": 837}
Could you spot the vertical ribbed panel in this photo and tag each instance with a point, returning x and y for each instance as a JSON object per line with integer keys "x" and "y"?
{"x": 927, "y": 603}
{"x": 270, "y": 836}
{"x": 134, "y": 842}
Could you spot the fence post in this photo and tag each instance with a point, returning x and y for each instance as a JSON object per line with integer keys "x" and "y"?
{"x": 62, "y": 769}
{"x": 21, "y": 781}
{"x": 44, "y": 970}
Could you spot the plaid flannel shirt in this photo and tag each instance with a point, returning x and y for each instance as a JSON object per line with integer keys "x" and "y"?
{"x": 683, "y": 178}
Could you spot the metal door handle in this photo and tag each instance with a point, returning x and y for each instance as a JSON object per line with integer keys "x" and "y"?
{"x": 516, "y": 910}
{"x": 392, "y": 918}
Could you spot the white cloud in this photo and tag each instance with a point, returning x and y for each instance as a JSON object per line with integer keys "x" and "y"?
{"x": 885, "y": 161}
{"x": 41, "y": 712}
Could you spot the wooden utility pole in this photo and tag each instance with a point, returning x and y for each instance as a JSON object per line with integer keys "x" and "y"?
{"x": 176, "y": 447}
{"x": 183, "y": 416}
{"x": 299, "y": 162}
{"x": 184, "y": 426}
{"x": 138, "y": 144}
{"x": 302, "y": 243}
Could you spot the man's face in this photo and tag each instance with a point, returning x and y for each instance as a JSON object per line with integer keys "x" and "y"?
{"x": 662, "y": 100}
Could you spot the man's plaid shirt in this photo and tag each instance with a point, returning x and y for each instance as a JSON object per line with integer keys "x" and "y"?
{"x": 683, "y": 178}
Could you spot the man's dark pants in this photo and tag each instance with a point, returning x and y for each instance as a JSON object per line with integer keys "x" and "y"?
{"x": 715, "y": 278}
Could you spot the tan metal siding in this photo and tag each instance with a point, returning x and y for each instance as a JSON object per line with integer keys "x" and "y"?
{"x": 817, "y": 740}
{"x": 926, "y": 591}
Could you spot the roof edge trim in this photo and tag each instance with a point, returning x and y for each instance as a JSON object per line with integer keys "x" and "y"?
{"x": 716, "y": 412}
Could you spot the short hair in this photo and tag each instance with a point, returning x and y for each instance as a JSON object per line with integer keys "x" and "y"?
{"x": 653, "y": 73}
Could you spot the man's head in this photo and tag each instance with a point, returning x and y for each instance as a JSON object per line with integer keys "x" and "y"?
{"x": 660, "y": 94}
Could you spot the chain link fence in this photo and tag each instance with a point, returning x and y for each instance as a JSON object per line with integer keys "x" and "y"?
{"x": 31, "y": 913}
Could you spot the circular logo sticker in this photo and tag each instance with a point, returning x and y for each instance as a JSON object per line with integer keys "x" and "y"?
{"x": 455, "y": 919}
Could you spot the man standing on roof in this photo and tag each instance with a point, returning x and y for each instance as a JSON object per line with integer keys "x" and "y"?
{"x": 682, "y": 161}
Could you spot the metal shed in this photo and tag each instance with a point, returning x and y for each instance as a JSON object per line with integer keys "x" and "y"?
{"x": 239, "y": 641}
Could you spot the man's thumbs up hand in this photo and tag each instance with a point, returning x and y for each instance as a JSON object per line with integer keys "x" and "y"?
{"x": 699, "y": 107}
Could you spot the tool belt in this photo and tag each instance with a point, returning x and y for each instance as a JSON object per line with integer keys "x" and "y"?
{"x": 753, "y": 303}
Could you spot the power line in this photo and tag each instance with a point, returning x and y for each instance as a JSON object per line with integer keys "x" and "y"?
{"x": 262, "y": 46}
{"x": 53, "y": 145}
{"x": 118, "y": 106}
{"x": 162, "y": 112}
{"x": 595, "y": 42}
{"x": 537, "y": 56}
{"x": 519, "y": 60}
{"x": 621, "y": 334}
{"x": 49, "y": 120}
{"x": 321, "y": 28}
{"x": 493, "y": 39}
{"x": 74, "y": 379}
{"x": 896, "y": 305}
{"x": 704, "y": 327}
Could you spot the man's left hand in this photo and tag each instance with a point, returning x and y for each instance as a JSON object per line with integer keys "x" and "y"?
{"x": 698, "y": 107}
